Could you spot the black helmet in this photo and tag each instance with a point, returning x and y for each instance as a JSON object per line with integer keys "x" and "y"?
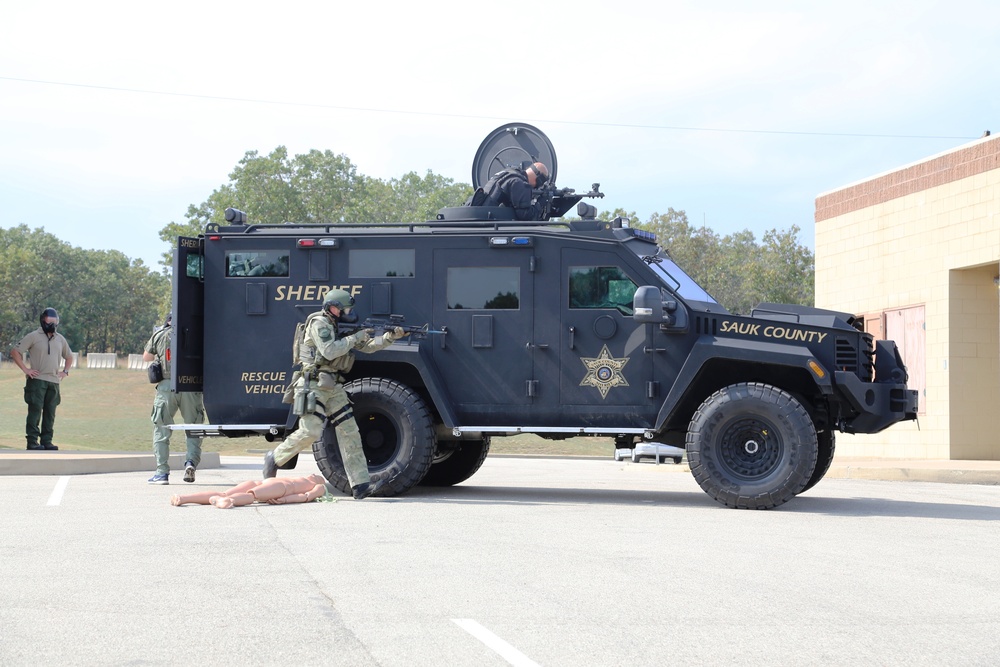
{"x": 49, "y": 327}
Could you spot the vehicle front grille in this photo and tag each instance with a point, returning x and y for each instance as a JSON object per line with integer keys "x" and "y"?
{"x": 849, "y": 358}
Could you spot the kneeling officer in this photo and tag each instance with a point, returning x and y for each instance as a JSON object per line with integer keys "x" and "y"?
{"x": 320, "y": 397}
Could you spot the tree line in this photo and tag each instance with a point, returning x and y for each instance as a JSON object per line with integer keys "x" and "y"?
{"x": 108, "y": 302}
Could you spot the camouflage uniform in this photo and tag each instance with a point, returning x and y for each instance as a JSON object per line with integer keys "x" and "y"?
{"x": 167, "y": 403}
{"x": 323, "y": 354}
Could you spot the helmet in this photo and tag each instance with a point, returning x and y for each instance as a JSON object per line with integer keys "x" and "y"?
{"x": 339, "y": 298}
{"x": 48, "y": 327}
{"x": 343, "y": 301}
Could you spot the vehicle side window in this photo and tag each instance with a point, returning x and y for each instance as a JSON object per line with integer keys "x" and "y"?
{"x": 195, "y": 266}
{"x": 380, "y": 263}
{"x": 253, "y": 264}
{"x": 601, "y": 287}
{"x": 484, "y": 287}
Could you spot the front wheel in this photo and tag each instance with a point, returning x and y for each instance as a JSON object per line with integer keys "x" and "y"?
{"x": 396, "y": 434}
{"x": 751, "y": 446}
{"x": 827, "y": 446}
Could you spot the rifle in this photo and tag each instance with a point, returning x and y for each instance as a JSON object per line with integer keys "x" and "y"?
{"x": 380, "y": 325}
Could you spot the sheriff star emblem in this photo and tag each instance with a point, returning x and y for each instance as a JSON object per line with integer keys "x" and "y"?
{"x": 604, "y": 372}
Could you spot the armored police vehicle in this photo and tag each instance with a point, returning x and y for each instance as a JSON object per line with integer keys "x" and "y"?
{"x": 556, "y": 328}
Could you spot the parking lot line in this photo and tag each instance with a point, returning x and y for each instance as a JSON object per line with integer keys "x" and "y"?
{"x": 57, "y": 493}
{"x": 502, "y": 648}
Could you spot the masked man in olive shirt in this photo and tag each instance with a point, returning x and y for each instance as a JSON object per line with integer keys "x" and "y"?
{"x": 46, "y": 351}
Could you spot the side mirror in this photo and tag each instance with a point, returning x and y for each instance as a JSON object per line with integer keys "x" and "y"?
{"x": 648, "y": 306}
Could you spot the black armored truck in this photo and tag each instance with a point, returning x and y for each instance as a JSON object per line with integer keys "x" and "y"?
{"x": 559, "y": 328}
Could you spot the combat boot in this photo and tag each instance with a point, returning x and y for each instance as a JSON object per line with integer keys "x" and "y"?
{"x": 270, "y": 467}
{"x": 362, "y": 491}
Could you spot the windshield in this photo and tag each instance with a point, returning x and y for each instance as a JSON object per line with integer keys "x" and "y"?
{"x": 675, "y": 278}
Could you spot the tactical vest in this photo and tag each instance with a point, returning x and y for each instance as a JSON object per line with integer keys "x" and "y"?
{"x": 308, "y": 356}
{"x": 494, "y": 188}
{"x": 161, "y": 348}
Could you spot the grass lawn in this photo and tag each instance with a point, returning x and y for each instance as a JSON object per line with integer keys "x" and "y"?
{"x": 108, "y": 410}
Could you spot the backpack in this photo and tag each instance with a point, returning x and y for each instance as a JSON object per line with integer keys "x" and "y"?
{"x": 300, "y": 337}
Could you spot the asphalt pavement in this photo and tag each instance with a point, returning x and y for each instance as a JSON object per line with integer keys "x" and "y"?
{"x": 532, "y": 561}
{"x": 68, "y": 462}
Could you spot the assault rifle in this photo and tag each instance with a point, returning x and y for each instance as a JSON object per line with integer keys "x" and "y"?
{"x": 380, "y": 325}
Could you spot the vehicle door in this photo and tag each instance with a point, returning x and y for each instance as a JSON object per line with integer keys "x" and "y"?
{"x": 605, "y": 370}
{"x": 484, "y": 298}
{"x": 187, "y": 345}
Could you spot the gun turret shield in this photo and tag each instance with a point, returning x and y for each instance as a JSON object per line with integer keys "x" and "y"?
{"x": 512, "y": 145}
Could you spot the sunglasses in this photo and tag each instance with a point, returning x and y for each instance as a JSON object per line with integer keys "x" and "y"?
{"x": 540, "y": 178}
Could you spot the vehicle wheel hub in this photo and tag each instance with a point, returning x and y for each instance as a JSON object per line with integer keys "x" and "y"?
{"x": 750, "y": 448}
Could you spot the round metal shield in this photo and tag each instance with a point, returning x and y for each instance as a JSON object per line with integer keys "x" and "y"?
{"x": 512, "y": 145}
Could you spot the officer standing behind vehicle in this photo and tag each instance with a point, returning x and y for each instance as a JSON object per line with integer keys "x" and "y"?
{"x": 320, "y": 397}
{"x": 513, "y": 187}
{"x": 46, "y": 351}
{"x": 165, "y": 407}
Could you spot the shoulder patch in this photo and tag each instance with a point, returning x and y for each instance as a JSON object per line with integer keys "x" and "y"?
{"x": 325, "y": 333}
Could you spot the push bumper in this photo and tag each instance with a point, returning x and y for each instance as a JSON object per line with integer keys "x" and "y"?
{"x": 874, "y": 406}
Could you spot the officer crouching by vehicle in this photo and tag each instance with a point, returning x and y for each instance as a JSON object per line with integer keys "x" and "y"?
{"x": 319, "y": 395}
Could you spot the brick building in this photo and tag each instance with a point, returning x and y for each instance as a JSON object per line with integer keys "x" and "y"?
{"x": 917, "y": 251}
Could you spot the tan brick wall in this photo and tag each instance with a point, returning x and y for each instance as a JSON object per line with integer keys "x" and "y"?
{"x": 927, "y": 234}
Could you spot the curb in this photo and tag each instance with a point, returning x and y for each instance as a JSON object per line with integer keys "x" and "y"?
{"x": 22, "y": 462}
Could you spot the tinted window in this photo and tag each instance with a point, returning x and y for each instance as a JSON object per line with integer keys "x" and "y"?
{"x": 253, "y": 264}
{"x": 380, "y": 264}
{"x": 484, "y": 287}
{"x": 195, "y": 266}
{"x": 600, "y": 287}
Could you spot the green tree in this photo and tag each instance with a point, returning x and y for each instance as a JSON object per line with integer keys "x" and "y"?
{"x": 106, "y": 302}
{"x": 315, "y": 187}
{"x": 737, "y": 270}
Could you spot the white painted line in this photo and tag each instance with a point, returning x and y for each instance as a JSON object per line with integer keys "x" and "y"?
{"x": 505, "y": 650}
{"x": 57, "y": 493}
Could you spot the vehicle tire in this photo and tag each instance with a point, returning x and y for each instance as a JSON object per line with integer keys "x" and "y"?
{"x": 396, "y": 434}
{"x": 677, "y": 460}
{"x": 457, "y": 463}
{"x": 751, "y": 446}
{"x": 827, "y": 445}
{"x": 635, "y": 459}
{"x": 618, "y": 457}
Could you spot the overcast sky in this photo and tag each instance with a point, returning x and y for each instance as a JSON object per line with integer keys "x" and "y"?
{"x": 114, "y": 117}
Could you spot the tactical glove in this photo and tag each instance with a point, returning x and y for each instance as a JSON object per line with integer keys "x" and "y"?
{"x": 361, "y": 337}
{"x": 394, "y": 334}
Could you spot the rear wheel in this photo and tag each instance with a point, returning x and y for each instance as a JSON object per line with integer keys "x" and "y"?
{"x": 396, "y": 434}
{"x": 751, "y": 446}
{"x": 456, "y": 461}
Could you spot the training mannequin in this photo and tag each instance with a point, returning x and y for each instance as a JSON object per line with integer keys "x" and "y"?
{"x": 274, "y": 491}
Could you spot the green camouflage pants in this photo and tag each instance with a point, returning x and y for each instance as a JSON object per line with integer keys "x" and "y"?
{"x": 42, "y": 398}
{"x": 165, "y": 407}
{"x": 311, "y": 428}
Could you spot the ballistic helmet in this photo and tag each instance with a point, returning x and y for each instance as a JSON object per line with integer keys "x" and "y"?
{"x": 344, "y": 302}
{"x": 339, "y": 298}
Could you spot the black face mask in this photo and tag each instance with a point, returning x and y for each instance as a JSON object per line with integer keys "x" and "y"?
{"x": 348, "y": 318}
{"x": 49, "y": 327}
